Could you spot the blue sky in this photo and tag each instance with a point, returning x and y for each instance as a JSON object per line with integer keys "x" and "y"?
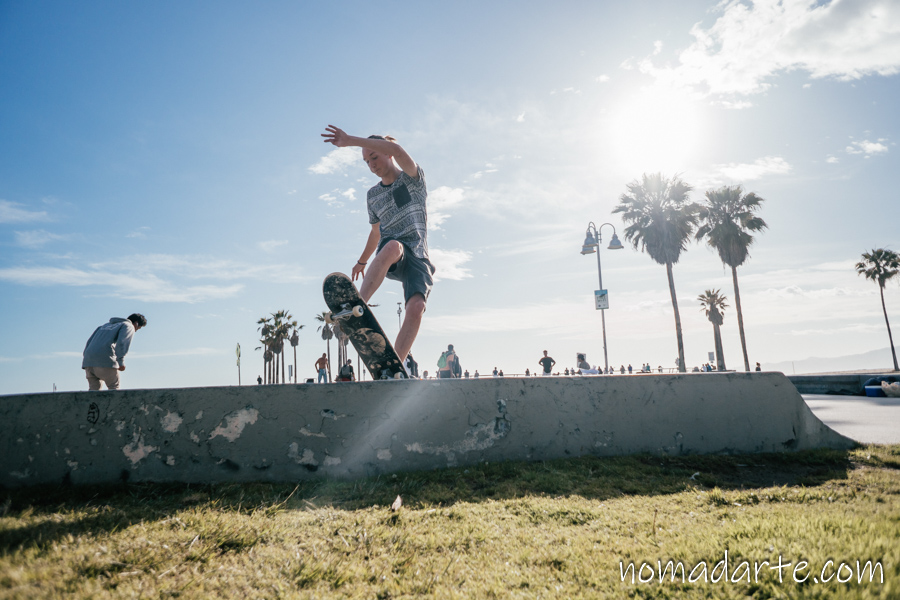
{"x": 166, "y": 158}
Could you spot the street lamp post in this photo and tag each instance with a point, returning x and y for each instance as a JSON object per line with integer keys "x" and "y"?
{"x": 591, "y": 242}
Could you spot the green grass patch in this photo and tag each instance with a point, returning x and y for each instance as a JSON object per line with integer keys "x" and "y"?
{"x": 553, "y": 529}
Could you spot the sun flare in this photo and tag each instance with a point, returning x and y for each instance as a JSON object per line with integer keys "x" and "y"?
{"x": 654, "y": 130}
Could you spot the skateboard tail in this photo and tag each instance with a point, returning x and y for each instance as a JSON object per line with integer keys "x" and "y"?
{"x": 357, "y": 321}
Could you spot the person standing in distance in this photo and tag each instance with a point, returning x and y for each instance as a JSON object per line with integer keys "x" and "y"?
{"x": 547, "y": 363}
{"x": 399, "y": 220}
{"x": 448, "y": 364}
{"x": 321, "y": 368}
{"x": 104, "y": 352}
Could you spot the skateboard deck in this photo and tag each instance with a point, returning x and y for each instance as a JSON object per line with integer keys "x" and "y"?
{"x": 359, "y": 323}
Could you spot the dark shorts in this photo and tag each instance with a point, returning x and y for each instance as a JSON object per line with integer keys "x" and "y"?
{"x": 413, "y": 272}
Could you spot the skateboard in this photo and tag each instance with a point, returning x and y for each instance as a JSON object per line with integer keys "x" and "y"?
{"x": 359, "y": 323}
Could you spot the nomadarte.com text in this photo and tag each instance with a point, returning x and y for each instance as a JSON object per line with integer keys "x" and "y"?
{"x": 831, "y": 571}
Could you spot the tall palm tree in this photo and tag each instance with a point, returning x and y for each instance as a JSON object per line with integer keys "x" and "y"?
{"x": 266, "y": 338}
{"x": 660, "y": 220}
{"x": 727, "y": 220}
{"x": 277, "y": 341}
{"x": 881, "y": 265}
{"x": 295, "y": 341}
{"x": 342, "y": 340}
{"x": 282, "y": 324}
{"x": 327, "y": 334}
{"x": 713, "y": 304}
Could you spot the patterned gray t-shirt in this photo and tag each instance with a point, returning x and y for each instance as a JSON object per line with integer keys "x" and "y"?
{"x": 400, "y": 209}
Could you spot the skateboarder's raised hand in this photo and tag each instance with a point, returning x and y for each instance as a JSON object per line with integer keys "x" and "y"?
{"x": 373, "y": 146}
{"x": 336, "y": 136}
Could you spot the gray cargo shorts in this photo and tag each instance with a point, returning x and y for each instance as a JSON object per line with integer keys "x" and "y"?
{"x": 413, "y": 272}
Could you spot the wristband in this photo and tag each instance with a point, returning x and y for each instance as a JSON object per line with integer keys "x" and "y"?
{"x": 361, "y": 263}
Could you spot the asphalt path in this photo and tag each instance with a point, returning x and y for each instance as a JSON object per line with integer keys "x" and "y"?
{"x": 864, "y": 419}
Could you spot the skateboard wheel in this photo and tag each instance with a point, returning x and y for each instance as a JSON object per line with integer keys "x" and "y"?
{"x": 358, "y": 311}
{"x": 328, "y": 318}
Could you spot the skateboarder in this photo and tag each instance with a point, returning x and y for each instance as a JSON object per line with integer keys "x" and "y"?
{"x": 398, "y": 238}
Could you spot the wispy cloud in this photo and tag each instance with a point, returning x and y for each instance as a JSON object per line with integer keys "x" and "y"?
{"x": 868, "y": 148}
{"x": 441, "y": 201}
{"x": 13, "y": 212}
{"x": 182, "y": 352}
{"x": 272, "y": 245}
{"x": 140, "y": 233}
{"x": 538, "y": 317}
{"x": 568, "y": 90}
{"x": 857, "y": 328}
{"x": 449, "y": 264}
{"x": 488, "y": 168}
{"x": 154, "y": 277}
{"x": 768, "y": 165}
{"x": 133, "y": 354}
{"x": 37, "y": 238}
{"x": 795, "y": 291}
{"x": 729, "y": 173}
{"x": 750, "y": 44}
{"x": 336, "y": 160}
{"x": 130, "y": 285}
{"x": 332, "y": 198}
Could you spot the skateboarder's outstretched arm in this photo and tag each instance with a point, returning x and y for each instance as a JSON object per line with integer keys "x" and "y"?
{"x": 341, "y": 139}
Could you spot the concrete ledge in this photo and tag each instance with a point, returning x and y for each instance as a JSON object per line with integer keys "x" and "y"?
{"x": 846, "y": 384}
{"x": 295, "y": 432}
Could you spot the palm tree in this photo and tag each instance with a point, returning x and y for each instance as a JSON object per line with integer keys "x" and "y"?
{"x": 265, "y": 330}
{"x": 727, "y": 219}
{"x": 277, "y": 341}
{"x": 713, "y": 304}
{"x": 295, "y": 341}
{"x": 327, "y": 334}
{"x": 342, "y": 340}
{"x": 660, "y": 220}
{"x": 880, "y": 265}
{"x": 282, "y": 324}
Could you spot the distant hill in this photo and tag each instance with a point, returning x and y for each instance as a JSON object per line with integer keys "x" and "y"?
{"x": 875, "y": 360}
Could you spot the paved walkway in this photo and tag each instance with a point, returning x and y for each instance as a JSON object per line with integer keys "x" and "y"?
{"x": 864, "y": 419}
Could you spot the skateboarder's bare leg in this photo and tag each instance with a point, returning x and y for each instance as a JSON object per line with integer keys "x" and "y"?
{"x": 415, "y": 308}
{"x": 378, "y": 268}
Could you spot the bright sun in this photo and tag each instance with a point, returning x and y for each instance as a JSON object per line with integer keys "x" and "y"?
{"x": 654, "y": 131}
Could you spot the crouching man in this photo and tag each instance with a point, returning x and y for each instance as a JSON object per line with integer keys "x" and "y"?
{"x": 104, "y": 353}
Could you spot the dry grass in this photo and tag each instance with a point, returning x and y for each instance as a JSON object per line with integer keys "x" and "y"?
{"x": 555, "y": 529}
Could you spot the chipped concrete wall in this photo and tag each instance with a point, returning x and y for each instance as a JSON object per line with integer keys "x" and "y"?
{"x": 294, "y": 432}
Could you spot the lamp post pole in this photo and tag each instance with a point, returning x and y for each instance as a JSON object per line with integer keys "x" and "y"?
{"x": 602, "y": 312}
{"x": 592, "y": 240}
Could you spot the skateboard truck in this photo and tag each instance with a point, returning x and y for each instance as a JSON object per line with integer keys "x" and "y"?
{"x": 345, "y": 313}
{"x": 386, "y": 374}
